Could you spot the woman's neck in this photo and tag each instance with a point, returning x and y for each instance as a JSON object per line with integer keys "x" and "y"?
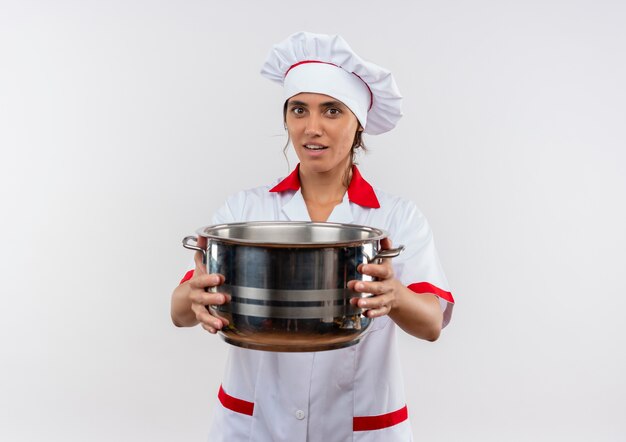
{"x": 323, "y": 191}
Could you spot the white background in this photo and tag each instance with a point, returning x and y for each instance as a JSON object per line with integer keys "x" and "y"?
{"x": 124, "y": 124}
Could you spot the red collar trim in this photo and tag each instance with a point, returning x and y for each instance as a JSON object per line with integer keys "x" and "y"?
{"x": 359, "y": 191}
{"x": 292, "y": 182}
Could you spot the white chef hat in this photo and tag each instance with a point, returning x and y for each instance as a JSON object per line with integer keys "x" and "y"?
{"x": 325, "y": 64}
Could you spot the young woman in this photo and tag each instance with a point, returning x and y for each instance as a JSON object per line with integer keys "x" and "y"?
{"x": 332, "y": 96}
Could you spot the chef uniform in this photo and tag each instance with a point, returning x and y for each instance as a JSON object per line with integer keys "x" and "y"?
{"x": 355, "y": 393}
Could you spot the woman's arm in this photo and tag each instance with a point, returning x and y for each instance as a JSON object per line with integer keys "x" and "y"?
{"x": 417, "y": 314}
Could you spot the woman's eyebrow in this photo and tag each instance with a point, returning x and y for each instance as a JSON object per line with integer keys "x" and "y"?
{"x": 298, "y": 103}
{"x": 333, "y": 103}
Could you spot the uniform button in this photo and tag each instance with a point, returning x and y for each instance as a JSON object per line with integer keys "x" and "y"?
{"x": 300, "y": 414}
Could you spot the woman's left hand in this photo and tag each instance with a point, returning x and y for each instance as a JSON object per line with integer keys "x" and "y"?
{"x": 383, "y": 290}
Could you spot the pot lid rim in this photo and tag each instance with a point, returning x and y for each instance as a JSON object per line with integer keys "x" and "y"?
{"x": 208, "y": 232}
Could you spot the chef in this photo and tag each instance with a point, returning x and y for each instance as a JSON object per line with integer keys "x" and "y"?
{"x": 332, "y": 96}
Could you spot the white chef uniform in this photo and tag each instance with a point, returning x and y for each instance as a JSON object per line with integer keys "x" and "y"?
{"x": 351, "y": 394}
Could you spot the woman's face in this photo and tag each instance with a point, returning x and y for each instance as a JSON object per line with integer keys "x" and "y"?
{"x": 322, "y": 131}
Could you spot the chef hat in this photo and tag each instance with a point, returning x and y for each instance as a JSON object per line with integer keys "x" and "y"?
{"x": 325, "y": 64}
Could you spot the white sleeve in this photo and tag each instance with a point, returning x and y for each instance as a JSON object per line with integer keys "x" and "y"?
{"x": 418, "y": 267}
{"x": 226, "y": 213}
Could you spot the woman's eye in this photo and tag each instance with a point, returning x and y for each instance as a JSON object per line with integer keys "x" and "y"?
{"x": 297, "y": 110}
{"x": 333, "y": 112}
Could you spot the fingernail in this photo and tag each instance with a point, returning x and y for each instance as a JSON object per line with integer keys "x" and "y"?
{"x": 360, "y": 286}
{"x": 363, "y": 303}
{"x": 364, "y": 268}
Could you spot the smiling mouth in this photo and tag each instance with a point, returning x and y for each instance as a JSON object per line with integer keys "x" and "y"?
{"x": 314, "y": 147}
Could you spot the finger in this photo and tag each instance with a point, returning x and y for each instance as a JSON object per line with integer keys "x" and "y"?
{"x": 206, "y": 319}
{"x": 200, "y": 265}
{"x": 372, "y": 308}
{"x": 206, "y": 280}
{"x": 209, "y": 328}
{"x": 207, "y": 298}
{"x": 212, "y": 319}
{"x": 204, "y": 316}
{"x": 380, "y": 271}
{"x": 386, "y": 243}
{"x": 373, "y": 287}
{"x": 202, "y": 242}
{"x": 375, "y": 302}
{"x": 198, "y": 257}
{"x": 377, "y": 312}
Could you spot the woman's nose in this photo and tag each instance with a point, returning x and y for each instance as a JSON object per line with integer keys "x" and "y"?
{"x": 313, "y": 126}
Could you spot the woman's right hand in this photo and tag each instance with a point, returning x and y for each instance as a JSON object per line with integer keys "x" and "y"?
{"x": 201, "y": 299}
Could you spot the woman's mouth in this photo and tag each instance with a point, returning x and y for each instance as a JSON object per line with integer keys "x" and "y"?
{"x": 315, "y": 147}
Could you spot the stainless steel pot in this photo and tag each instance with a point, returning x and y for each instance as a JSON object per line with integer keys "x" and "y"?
{"x": 288, "y": 281}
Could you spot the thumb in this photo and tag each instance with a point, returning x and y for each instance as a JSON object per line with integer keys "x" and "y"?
{"x": 386, "y": 243}
{"x": 200, "y": 266}
{"x": 198, "y": 257}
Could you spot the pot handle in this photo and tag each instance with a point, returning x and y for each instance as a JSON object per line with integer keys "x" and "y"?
{"x": 387, "y": 253}
{"x": 187, "y": 244}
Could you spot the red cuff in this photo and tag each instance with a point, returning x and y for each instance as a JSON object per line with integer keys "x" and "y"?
{"x": 235, "y": 404}
{"x": 370, "y": 423}
{"x": 426, "y": 287}
{"x": 187, "y": 276}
